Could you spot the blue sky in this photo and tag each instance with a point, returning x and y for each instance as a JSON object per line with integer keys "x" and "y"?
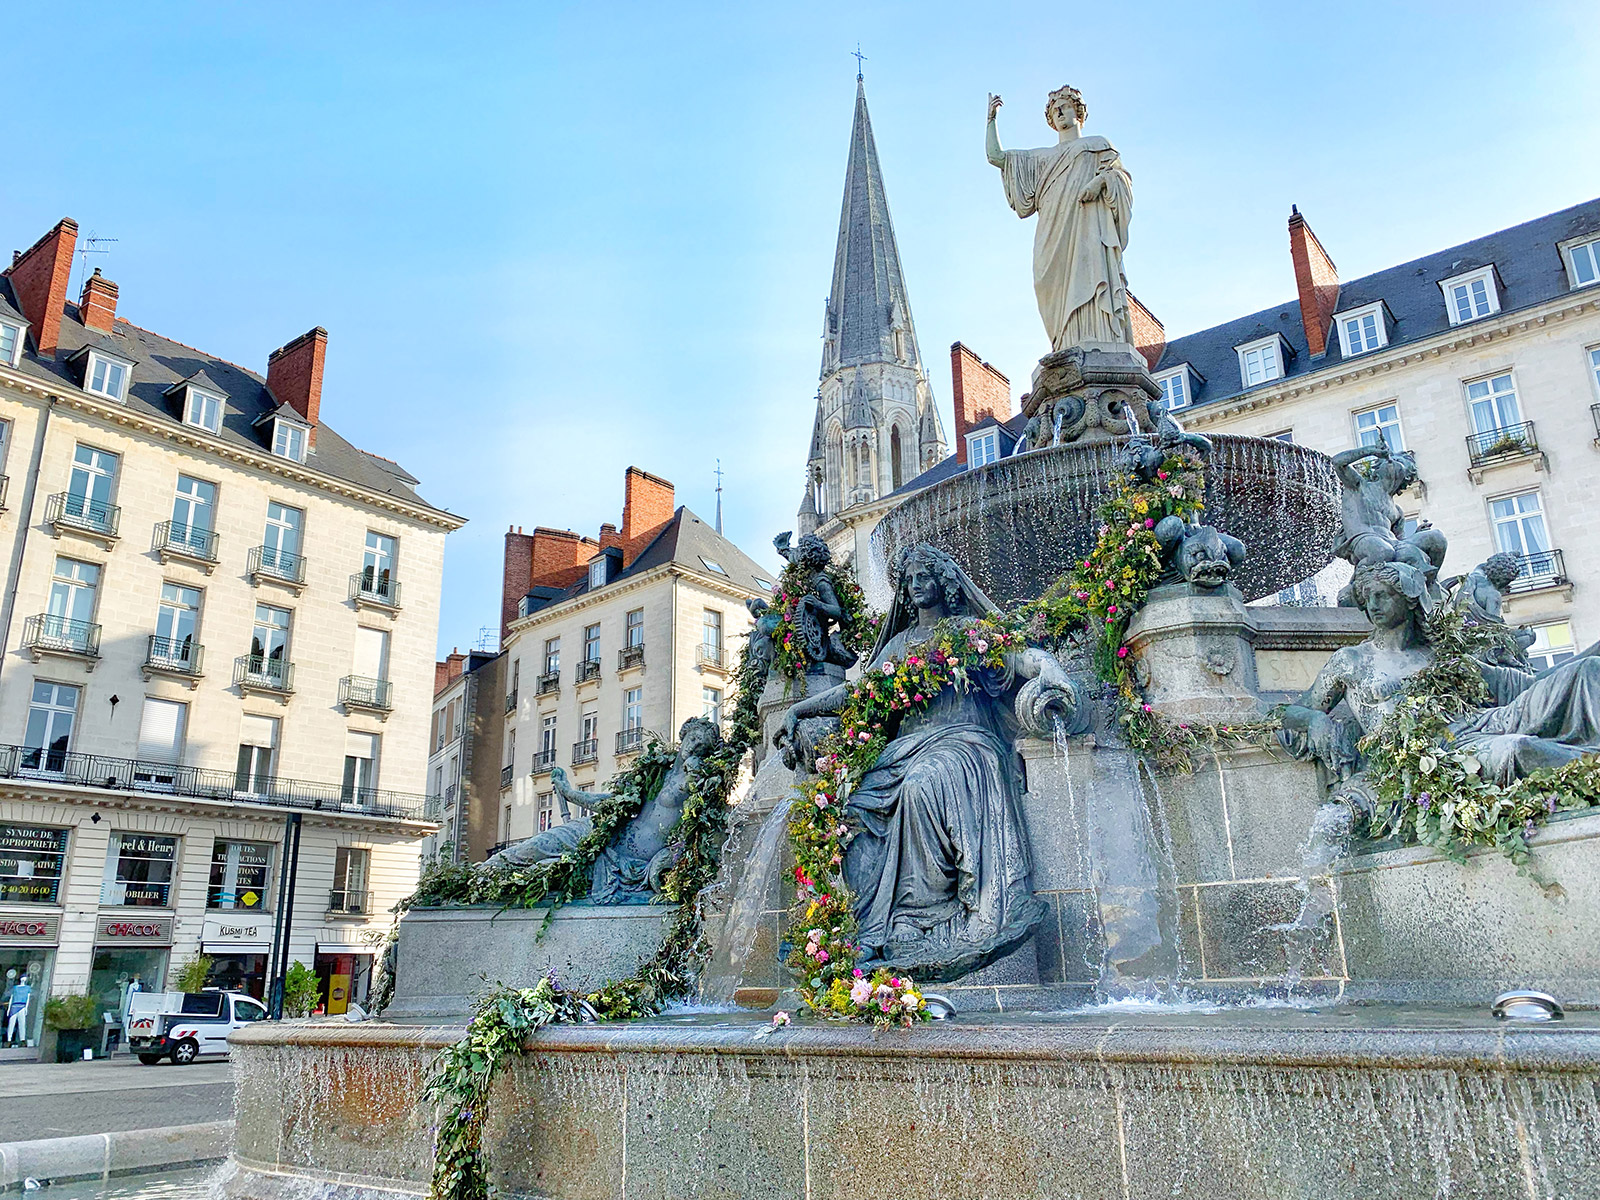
{"x": 550, "y": 241}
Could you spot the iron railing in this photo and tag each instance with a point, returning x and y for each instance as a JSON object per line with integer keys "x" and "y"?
{"x": 588, "y": 668}
{"x": 710, "y": 656}
{"x": 349, "y": 900}
{"x": 497, "y": 847}
{"x": 188, "y": 540}
{"x": 47, "y": 631}
{"x": 1594, "y": 415}
{"x": 550, "y": 682}
{"x": 272, "y": 563}
{"x": 357, "y": 691}
{"x": 630, "y": 656}
{"x": 586, "y": 751}
{"x": 183, "y": 655}
{"x": 134, "y": 775}
{"x": 511, "y": 701}
{"x": 543, "y": 760}
{"x": 1508, "y": 441}
{"x": 1542, "y": 569}
{"x": 506, "y": 773}
{"x": 268, "y": 674}
{"x": 375, "y": 588}
{"x": 79, "y": 512}
{"x": 629, "y": 740}
{"x": 5, "y": 482}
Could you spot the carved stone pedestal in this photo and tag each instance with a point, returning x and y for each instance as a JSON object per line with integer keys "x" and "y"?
{"x": 1088, "y": 393}
{"x": 1194, "y": 654}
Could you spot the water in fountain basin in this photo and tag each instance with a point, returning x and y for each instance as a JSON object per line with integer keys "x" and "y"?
{"x": 733, "y": 955}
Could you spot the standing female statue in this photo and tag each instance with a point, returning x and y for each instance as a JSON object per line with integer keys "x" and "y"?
{"x": 940, "y": 867}
{"x": 1084, "y": 201}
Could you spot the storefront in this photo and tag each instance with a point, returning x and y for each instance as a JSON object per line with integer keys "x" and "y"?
{"x": 237, "y": 945}
{"x": 130, "y": 955}
{"x": 27, "y": 957}
{"x": 345, "y": 977}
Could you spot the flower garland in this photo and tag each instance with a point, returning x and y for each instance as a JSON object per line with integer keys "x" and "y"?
{"x": 1434, "y": 792}
{"x": 858, "y": 630}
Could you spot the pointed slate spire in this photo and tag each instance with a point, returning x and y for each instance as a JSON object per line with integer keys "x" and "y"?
{"x": 868, "y": 306}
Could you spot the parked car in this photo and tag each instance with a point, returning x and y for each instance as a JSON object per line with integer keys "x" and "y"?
{"x": 184, "y": 1025}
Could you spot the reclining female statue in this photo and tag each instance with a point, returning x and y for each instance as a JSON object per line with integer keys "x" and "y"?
{"x": 940, "y": 866}
{"x": 630, "y": 869}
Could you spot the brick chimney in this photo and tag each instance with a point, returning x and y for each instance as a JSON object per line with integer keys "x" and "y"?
{"x": 447, "y": 670}
{"x": 555, "y": 558}
{"x": 294, "y": 375}
{"x": 646, "y": 508}
{"x": 39, "y": 276}
{"x": 1149, "y": 336}
{"x": 1317, "y": 280}
{"x": 97, "y": 304}
{"x": 518, "y": 570}
{"x": 609, "y": 536}
{"x": 980, "y": 391}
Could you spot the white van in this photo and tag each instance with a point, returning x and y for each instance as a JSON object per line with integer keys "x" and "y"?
{"x": 184, "y": 1025}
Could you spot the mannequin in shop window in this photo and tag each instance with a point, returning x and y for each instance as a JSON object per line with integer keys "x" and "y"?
{"x": 18, "y": 994}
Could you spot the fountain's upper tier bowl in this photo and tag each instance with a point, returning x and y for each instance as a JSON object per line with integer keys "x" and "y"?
{"x": 1018, "y": 524}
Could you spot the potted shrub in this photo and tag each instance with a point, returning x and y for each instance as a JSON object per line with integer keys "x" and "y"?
{"x": 72, "y": 1017}
{"x": 300, "y": 990}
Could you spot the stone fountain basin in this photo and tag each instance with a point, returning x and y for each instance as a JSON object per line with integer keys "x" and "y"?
{"x": 1018, "y": 524}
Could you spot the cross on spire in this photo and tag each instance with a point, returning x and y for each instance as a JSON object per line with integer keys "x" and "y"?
{"x": 860, "y": 58}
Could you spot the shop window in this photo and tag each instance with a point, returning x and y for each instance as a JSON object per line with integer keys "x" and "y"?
{"x": 239, "y": 875}
{"x": 24, "y": 985}
{"x": 30, "y": 864}
{"x": 139, "y": 870}
{"x": 121, "y": 972}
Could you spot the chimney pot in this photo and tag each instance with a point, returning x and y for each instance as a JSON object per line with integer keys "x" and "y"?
{"x": 97, "y": 303}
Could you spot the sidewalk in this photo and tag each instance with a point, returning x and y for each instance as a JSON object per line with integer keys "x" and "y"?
{"x": 111, "y": 1095}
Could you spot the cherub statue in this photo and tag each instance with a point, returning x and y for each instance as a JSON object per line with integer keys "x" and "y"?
{"x": 1481, "y": 597}
{"x": 762, "y": 648}
{"x": 629, "y": 870}
{"x": 1374, "y": 526}
{"x": 819, "y": 609}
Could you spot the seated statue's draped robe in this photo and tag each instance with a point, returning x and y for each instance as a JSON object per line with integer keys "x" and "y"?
{"x": 940, "y": 866}
{"x": 1077, "y": 248}
{"x": 1542, "y": 720}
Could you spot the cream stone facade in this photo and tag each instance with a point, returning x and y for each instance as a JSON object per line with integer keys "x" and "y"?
{"x": 207, "y": 628}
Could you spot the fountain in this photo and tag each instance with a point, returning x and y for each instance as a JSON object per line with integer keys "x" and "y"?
{"x": 1168, "y": 982}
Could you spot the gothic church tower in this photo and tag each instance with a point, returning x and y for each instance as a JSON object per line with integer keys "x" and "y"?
{"x": 876, "y": 425}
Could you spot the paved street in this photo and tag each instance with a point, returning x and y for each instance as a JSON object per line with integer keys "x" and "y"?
{"x": 43, "y": 1100}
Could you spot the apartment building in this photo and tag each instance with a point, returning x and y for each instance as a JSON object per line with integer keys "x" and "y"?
{"x": 218, "y": 628}
{"x": 465, "y": 775}
{"x": 1483, "y": 360}
{"x": 607, "y": 640}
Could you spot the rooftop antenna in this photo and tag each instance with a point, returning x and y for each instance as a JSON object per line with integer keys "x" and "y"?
{"x": 719, "y": 495}
{"x": 488, "y": 639}
{"x": 860, "y": 58}
{"x": 90, "y": 245}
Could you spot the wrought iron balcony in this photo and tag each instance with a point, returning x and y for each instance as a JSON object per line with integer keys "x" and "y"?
{"x": 47, "y": 633}
{"x": 357, "y": 691}
{"x": 1509, "y": 441}
{"x": 711, "y": 656}
{"x": 497, "y": 847}
{"x": 505, "y": 777}
{"x": 132, "y": 775}
{"x": 630, "y": 740}
{"x": 268, "y": 562}
{"x": 179, "y": 656}
{"x": 549, "y": 682}
{"x": 257, "y": 673}
{"x": 588, "y": 668}
{"x": 379, "y": 589}
{"x": 5, "y": 483}
{"x": 586, "y": 751}
{"x": 174, "y": 539}
{"x": 543, "y": 760}
{"x": 630, "y": 656}
{"x": 67, "y": 511}
{"x": 1542, "y": 569}
{"x": 1594, "y": 415}
{"x": 511, "y": 701}
{"x": 349, "y": 900}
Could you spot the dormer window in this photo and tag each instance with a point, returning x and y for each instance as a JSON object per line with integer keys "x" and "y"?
{"x": 203, "y": 410}
{"x": 10, "y": 343}
{"x": 983, "y": 448}
{"x": 1582, "y": 259}
{"x": 1362, "y": 330}
{"x": 289, "y": 440}
{"x": 1260, "y": 361}
{"x": 1177, "y": 387}
{"x": 597, "y": 574}
{"x": 1471, "y": 296}
{"x": 713, "y": 565}
{"x": 107, "y": 375}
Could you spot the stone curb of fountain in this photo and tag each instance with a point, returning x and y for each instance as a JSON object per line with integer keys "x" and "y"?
{"x": 103, "y": 1155}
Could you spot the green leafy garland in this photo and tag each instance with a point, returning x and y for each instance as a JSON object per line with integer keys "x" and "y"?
{"x": 1431, "y": 791}
{"x": 858, "y": 630}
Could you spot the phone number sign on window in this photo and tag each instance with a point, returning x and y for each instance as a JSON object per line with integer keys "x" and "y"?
{"x": 30, "y": 863}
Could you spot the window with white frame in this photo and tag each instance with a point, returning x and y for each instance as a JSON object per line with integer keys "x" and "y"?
{"x": 289, "y": 440}
{"x": 1594, "y": 364}
{"x": 547, "y": 810}
{"x": 1362, "y": 330}
{"x": 547, "y": 740}
{"x": 1583, "y": 262}
{"x": 1283, "y": 435}
{"x": 982, "y": 448}
{"x": 1174, "y": 389}
{"x": 258, "y": 746}
{"x": 711, "y": 704}
{"x": 1380, "y": 425}
{"x": 10, "y": 343}
{"x": 204, "y": 410}
{"x": 106, "y": 376}
{"x": 360, "y": 767}
{"x": 1470, "y": 296}
{"x": 52, "y": 711}
{"x": 160, "y": 746}
{"x": 1494, "y": 404}
{"x": 1519, "y": 528}
{"x": 635, "y": 627}
{"x": 597, "y": 574}
{"x": 633, "y": 708}
{"x": 1553, "y": 644}
{"x": 1260, "y": 362}
{"x": 552, "y": 656}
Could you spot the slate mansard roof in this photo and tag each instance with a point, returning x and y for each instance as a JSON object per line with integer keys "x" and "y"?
{"x": 1525, "y": 257}
{"x": 160, "y": 363}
